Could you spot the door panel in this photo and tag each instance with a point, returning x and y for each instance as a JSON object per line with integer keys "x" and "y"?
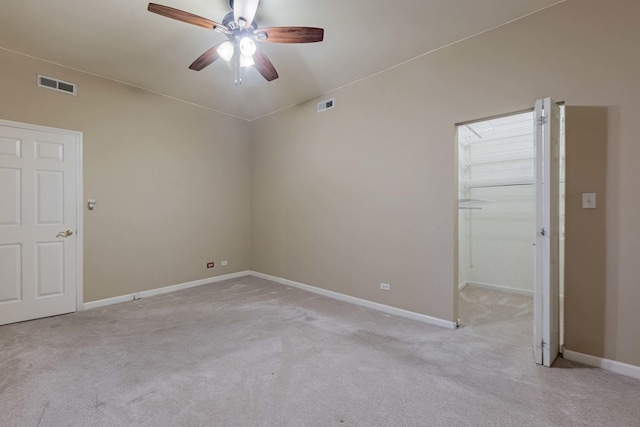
{"x": 546, "y": 297}
{"x": 49, "y": 269}
{"x": 49, "y": 150}
{"x": 552, "y": 174}
{"x": 10, "y": 191}
{"x": 10, "y": 262}
{"x": 9, "y": 147}
{"x": 49, "y": 197}
{"x": 38, "y": 187}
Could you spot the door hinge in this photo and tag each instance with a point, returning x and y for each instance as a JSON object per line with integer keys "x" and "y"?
{"x": 542, "y": 120}
{"x": 542, "y": 232}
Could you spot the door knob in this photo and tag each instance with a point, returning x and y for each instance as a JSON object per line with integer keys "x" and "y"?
{"x": 65, "y": 233}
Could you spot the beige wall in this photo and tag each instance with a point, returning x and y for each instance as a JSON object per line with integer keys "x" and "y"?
{"x": 366, "y": 193}
{"x": 171, "y": 180}
{"x": 586, "y": 238}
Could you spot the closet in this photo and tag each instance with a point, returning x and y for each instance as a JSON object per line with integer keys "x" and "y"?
{"x": 496, "y": 209}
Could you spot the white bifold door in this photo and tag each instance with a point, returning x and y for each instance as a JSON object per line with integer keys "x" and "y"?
{"x": 38, "y": 222}
{"x": 546, "y": 293}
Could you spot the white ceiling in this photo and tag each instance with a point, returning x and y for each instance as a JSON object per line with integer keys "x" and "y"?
{"x": 120, "y": 40}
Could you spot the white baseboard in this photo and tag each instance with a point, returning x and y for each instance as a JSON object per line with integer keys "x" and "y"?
{"x": 359, "y": 301}
{"x": 160, "y": 291}
{"x": 107, "y": 301}
{"x": 331, "y": 294}
{"x": 602, "y": 363}
{"x": 495, "y": 288}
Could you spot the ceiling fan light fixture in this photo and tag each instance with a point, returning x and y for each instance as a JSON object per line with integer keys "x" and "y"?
{"x": 225, "y": 51}
{"x": 246, "y": 61}
{"x": 247, "y": 47}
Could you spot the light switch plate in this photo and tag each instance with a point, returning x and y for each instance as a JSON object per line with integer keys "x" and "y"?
{"x": 588, "y": 200}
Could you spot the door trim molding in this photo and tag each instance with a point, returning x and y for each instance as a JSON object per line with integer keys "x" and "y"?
{"x": 79, "y": 197}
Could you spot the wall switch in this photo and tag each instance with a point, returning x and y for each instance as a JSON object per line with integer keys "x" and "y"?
{"x": 385, "y": 286}
{"x": 210, "y": 265}
{"x": 223, "y": 263}
{"x": 588, "y": 200}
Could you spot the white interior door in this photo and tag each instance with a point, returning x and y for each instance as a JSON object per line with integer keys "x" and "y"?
{"x": 546, "y": 293}
{"x": 38, "y": 223}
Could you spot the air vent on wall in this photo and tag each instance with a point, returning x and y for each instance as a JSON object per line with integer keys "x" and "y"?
{"x": 326, "y": 104}
{"x": 57, "y": 85}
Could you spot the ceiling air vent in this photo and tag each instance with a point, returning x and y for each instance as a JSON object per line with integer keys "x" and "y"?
{"x": 326, "y": 105}
{"x": 57, "y": 85}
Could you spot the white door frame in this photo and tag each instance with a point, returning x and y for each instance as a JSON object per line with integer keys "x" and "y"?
{"x": 546, "y": 282}
{"x": 79, "y": 197}
{"x": 541, "y": 317}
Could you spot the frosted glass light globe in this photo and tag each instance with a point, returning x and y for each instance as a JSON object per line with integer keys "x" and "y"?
{"x": 247, "y": 46}
{"x": 225, "y": 51}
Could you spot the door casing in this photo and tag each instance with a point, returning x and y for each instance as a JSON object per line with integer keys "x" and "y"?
{"x": 538, "y": 320}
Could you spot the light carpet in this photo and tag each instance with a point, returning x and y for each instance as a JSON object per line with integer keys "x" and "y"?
{"x": 249, "y": 352}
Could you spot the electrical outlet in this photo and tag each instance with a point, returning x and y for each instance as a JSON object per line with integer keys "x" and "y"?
{"x": 210, "y": 264}
{"x": 223, "y": 263}
{"x": 385, "y": 286}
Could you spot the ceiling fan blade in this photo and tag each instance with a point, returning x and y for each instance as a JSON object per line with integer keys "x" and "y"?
{"x": 289, "y": 34}
{"x": 264, "y": 66}
{"x": 183, "y": 16}
{"x": 244, "y": 10}
{"x": 206, "y": 58}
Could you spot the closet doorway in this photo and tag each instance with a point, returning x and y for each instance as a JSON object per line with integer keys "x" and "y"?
{"x": 497, "y": 226}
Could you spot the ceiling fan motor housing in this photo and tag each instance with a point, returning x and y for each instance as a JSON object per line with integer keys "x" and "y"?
{"x": 229, "y": 22}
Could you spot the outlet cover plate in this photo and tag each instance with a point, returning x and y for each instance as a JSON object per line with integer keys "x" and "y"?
{"x": 588, "y": 200}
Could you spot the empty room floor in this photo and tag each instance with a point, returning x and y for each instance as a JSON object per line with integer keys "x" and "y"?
{"x": 249, "y": 352}
{"x": 479, "y": 306}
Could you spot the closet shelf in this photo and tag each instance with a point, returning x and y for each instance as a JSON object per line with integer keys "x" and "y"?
{"x": 473, "y": 203}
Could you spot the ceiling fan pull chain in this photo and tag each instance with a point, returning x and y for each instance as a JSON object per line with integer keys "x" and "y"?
{"x": 237, "y": 69}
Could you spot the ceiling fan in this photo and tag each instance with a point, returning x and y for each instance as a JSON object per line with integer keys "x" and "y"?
{"x": 242, "y": 32}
